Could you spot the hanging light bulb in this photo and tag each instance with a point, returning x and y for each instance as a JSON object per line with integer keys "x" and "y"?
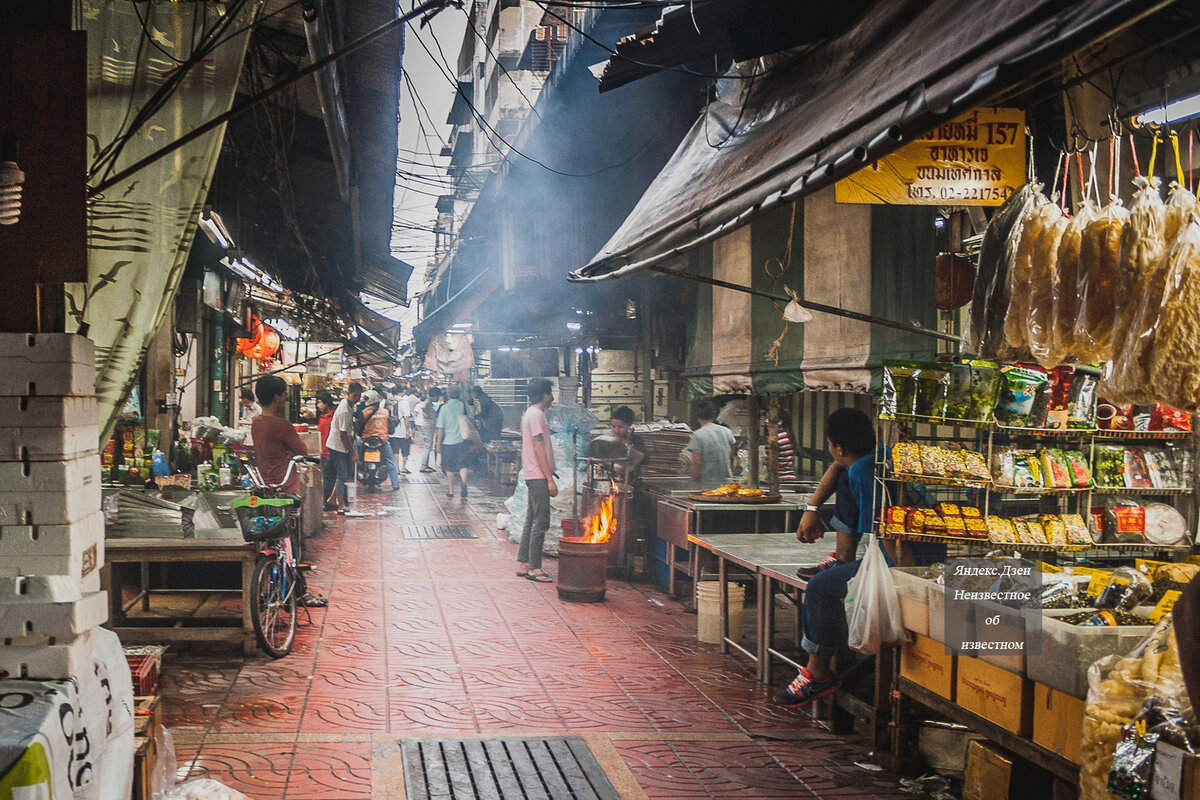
{"x": 12, "y": 179}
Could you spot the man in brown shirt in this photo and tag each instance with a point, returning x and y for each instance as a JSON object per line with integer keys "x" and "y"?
{"x": 275, "y": 439}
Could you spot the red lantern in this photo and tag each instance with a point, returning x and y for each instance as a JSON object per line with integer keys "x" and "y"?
{"x": 263, "y": 344}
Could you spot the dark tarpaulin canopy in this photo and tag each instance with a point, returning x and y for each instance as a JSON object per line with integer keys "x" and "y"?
{"x": 387, "y": 277}
{"x": 821, "y": 115}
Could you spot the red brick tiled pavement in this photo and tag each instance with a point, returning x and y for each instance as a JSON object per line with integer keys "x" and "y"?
{"x": 439, "y": 638}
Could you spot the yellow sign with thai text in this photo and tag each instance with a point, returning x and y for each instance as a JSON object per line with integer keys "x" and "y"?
{"x": 976, "y": 160}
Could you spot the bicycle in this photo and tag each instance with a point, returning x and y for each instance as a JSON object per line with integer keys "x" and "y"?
{"x": 270, "y": 517}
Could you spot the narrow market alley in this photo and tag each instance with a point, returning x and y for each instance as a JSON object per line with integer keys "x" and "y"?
{"x": 438, "y": 638}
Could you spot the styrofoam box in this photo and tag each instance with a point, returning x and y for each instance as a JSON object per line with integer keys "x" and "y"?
{"x": 43, "y": 661}
{"x": 49, "y": 476}
{"x": 39, "y": 589}
{"x": 913, "y": 593}
{"x": 53, "y": 619}
{"x": 47, "y": 444}
{"x": 50, "y": 507}
{"x": 53, "y": 364}
{"x": 77, "y": 565}
{"x": 52, "y": 540}
{"x": 49, "y": 412}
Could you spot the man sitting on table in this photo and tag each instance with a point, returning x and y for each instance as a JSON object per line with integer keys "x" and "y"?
{"x": 851, "y": 440}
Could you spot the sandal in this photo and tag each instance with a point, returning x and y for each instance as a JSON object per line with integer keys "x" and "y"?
{"x": 521, "y": 574}
{"x": 539, "y": 577}
{"x": 310, "y": 600}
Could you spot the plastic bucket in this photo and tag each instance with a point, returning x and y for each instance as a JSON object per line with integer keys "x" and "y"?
{"x": 708, "y": 611}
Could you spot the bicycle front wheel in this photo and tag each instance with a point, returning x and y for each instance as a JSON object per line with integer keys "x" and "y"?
{"x": 273, "y": 600}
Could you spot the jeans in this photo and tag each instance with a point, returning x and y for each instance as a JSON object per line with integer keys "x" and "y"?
{"x": 428, "y": 437}
{"x": 388, "y": 458}
{"x": 343, "y": 471}
{"x": 825, "y": 609}
{"x": 537, "y": 522}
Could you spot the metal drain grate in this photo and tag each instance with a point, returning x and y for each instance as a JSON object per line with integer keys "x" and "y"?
{"x": 438, "y": 532}
{"x": 554, "y": 768}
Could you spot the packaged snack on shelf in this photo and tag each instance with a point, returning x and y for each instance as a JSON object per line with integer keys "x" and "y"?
{"x": 1027, "y": 471}
{"x": 949, "y": 509}
{"x": 1165, "y": 526}
{"x": 1001, "y": 530}
{"x": 894, "y": 518}
{"x": 899, "y": 388}
{"x": 932, "y": 383}
{"x": 952, "y": 463}
{"x": 1165, "y": 418}
{"x": 1081, "y": 413}
{"x": 955, "y": 526}
{"x": 1057, "y": 394}
{"x": 1019, "y": 386}
{"x": 970, "y": 512}
{"x": 976, "y": 527}
{"x": 1056, "y": 529}
{"x": 1021, "y": 527}
{"x": 1081, "y": 476}
{"x": 1160, "y": 466}
{"x": 1124, "y": 520}
{"x": 958, "y": 391}
{"x": 984, "y": 385}
{"x": 933, "y": 461}
{"x": 1111, "y": 417}
{"x": 1077, "y": 529}
{"x": 1137, "y": 475}
{"x": 934, "y": 523}
{"x": 906, "y": 458}
{"x": 1109, "y": 469}
{"x": 975, "y": 466}
{"x": 1056, "y": 472}
{"x": 915, "y": 521}
{"x": 1037, "y": 533}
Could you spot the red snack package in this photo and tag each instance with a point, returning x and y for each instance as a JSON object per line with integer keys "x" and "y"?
{"x": 1166, "y": 418}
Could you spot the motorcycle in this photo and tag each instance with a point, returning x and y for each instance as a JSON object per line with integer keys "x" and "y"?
{"x": 370, "y": 462}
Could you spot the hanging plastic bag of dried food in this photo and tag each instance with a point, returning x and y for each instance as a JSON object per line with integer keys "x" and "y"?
{"x": 1033, "y": 229}
{"x": 1143, "y": 244}
{"x": 1099, "y": 255}
{"x": 1043, "y": 276}
{"x": 1130, "y": 371}
{"x": 1174, "y": 357}
{"x": 989, "y": 301}
{"x": 1066, "y": 290}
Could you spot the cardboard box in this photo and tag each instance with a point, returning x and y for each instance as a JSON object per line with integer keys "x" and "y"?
{"x": 997, "y": 695}
{"x": 926, "y": 663}
{"x": 989, "y": 772}
{"x": 1176, "y": 774}
{"x": 1057, "y": 721}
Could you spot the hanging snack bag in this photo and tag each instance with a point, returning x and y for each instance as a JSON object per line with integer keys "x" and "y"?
{"x": 1066, "y": 296}
{"x": 1019, "y": 385}
{"x": 1099, "y": 254}
{"x": 1036, "y": 221}
{"x": 1143, "y": 244}
{"x": 1039, "y": 323}
{"x": 989, "y": 301}
{"x": 1175, "y": 359}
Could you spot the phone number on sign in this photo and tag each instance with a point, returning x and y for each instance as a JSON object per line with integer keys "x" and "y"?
{"x": 960, "y": 193}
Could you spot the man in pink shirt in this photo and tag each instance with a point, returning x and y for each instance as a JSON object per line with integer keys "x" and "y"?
{"x": 537, "y": 460}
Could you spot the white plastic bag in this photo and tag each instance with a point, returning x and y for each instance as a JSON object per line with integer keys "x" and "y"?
{"x": 872, "y": 607}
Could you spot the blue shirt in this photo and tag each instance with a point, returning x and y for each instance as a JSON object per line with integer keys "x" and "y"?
{"x": 855, "y": 502}
{"x": 447, "y": 420}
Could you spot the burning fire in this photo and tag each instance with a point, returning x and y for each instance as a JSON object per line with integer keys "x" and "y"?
{"x": 602, "y": 523}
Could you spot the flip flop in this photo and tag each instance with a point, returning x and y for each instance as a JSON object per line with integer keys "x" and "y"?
{"x": 541, "y": 577}
{"x": 522, "y": 574}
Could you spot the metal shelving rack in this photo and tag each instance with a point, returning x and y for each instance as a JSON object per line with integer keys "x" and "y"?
{"x": 990, "y": 497}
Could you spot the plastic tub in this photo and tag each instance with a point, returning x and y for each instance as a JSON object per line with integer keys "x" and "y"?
{"x": 1068, "y": 651}
{"x": 1010, "y": 626}
{"x": 913, "y": 593}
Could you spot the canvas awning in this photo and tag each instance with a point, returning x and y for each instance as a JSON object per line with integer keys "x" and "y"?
{"x": 822, "y": 114}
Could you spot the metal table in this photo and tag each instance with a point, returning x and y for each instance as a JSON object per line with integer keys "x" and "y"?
{"x": 771, "y": 559}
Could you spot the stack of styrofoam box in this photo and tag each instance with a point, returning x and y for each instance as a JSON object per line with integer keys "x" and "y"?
{"x": 51, "y": 522}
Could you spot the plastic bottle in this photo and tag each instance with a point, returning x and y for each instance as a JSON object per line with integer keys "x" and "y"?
{"x": 158, "y": 464}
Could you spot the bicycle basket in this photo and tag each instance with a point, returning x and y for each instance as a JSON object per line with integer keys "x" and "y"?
{"x": 263, "y": 518}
